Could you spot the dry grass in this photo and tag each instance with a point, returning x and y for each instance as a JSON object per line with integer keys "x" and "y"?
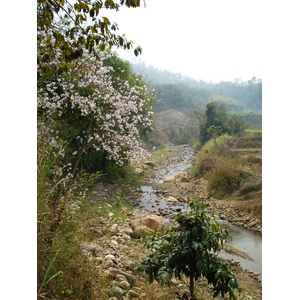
{"x": 232, "y": 167}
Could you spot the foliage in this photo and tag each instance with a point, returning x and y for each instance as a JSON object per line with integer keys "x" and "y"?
{"x": 218, "y": 146}
{"x": 224, "y": 178}
{"x": 217, "y": 123}
{"x": 67, "y": 29}
{"x": 180, "y": 97}
{"x": 195, "y": 145}
{"x": 47, "y": 275}
{"x": 59, "y": 197}
{"x": 237, "y": 96}
{"x": 89, "y": 114}
{"x": 189, "y": 248}
{"x": 237, "y": 125}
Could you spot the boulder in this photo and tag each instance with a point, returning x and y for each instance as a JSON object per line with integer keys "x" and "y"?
{"x": 180, "y": 177}
{"x": 171, "y": 199}
{"x": 147, "y": 224}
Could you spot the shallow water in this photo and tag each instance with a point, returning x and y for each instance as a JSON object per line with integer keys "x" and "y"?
{"x": 241, "y": 239}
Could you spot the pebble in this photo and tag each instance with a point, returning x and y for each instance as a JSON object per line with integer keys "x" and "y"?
{"x": 117, "y": 291}
{"x": 120, "y": 277}
{"x": 114, "y": 228}
{"x": 109, "y": 256}
{"x": 124, "y": 285}
{"x": 133, "y": 294}
{"x": 115, "y": 243}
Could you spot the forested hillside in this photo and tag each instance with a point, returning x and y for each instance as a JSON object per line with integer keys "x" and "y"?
{"x": 186, "y": 94}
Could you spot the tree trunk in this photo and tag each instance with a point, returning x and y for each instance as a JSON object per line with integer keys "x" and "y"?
{"x": 192, "y": 286}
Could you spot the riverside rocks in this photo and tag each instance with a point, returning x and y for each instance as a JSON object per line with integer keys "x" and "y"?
{"x": 110, "y": 254}
{"x": 147, "y": 224}
{"x": 235, "y": 217}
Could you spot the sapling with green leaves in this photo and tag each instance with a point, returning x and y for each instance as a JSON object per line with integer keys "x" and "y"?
{"x": 190, "y": 248}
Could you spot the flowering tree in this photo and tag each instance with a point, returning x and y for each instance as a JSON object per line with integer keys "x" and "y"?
{"x": 87, "y": 111}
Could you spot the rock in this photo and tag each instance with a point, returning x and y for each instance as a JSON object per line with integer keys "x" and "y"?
{"x": 139, "y": 171}
{"x": 130, "y": 278}
{"x": 124, "y": 285}
{"x": 252, "y": 224}
{"x": 133, "y": 294}
{"x": 91, "y": 247}
{"x": 129, "y": 265}
{"x": 180, "y": 177}
{"x": 125, "y": 237}
{"x": 170, "y": 178}
{"x": 147, "y": 224}
{"x": 171, "y": 199}
{"x": 120, "y": 277}
{"x": 117, "y": 291}
{"x": 114, "y": 228}
{"x": 108, "y": 264}
{"x": 108, "y": 274}
{"x": 127, "y": 231}
{"x": 109, "y": 256}
{"x": 115, "y": 243}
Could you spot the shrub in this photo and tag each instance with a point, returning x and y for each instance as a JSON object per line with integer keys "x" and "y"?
{"x": 224, "y": 178}
{"x": 195, "y": 145}
{"x": 218, "y": 146}
{"x": 189, "y": 248}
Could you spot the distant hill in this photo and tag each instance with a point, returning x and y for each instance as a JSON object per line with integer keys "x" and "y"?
{"x": 178, "y": 127}
{"x": 175, "y": 91}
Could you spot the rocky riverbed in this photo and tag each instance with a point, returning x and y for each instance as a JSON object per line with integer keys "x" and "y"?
{"x": 116, "y": 249}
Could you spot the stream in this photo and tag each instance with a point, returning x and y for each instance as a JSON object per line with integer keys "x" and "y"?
{"x": 240, "y": 238}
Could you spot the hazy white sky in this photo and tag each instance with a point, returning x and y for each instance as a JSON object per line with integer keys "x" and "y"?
{"x": 212, "y": 40}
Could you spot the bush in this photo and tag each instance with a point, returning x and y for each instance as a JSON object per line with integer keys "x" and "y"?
{"x": 59, "y": 196}
{"x": 224, "y": 178}
{"x": 195, "y": 145}
{"x": 219, "y": 146}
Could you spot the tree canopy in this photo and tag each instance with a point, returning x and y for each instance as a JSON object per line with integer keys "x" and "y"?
{"x": 216, "y": 123}
{"x": 64, "y": 30}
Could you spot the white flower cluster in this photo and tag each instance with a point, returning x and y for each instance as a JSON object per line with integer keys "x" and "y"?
{"x": 117, "y": 114}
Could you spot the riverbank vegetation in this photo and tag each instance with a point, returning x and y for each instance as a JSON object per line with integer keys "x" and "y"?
{"x": 232, "y": 167}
